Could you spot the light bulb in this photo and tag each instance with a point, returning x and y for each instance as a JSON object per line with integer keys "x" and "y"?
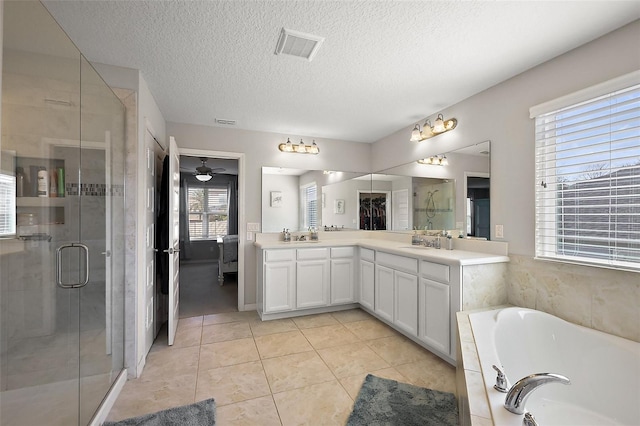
{"x": 415, "y": 134}
{"x": 439, "y": 125}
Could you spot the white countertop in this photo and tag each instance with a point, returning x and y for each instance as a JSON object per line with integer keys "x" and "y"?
{"x": 450, "y": 257}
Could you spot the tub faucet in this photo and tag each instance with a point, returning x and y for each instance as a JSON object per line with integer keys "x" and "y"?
{"x": 520, "y": 391}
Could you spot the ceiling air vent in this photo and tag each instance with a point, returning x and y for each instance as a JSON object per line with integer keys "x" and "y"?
{"x": 299, "y": 44}
{"x": 226, "y": 122}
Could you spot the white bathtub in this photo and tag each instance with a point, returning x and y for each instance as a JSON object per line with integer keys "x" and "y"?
{"x": 604, "y": 370}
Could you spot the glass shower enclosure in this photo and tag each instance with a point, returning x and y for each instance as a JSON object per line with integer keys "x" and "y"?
{"x": 61, "y": 226}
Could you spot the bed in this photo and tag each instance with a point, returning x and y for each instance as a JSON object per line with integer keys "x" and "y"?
{"x": 227, "y": 256}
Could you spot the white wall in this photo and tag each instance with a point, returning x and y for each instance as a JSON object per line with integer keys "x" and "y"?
{"x": 603, "y": 299}
{"x": 501, "y": 114}
{"x": 261, "y": 149}
{"x": 285, "y": 216}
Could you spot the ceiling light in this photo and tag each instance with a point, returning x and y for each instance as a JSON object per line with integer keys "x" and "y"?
{"x": 436, "y": 160}
{"x": 299, "y": 148}
{"x": 203, "y": 177}
{"x": 441, "y": 126}
{"x": 204, "y": 173}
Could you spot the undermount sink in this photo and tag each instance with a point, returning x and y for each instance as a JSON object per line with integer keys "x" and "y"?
{"x": 304, "y": 241}
{"x": 416, "y": 247}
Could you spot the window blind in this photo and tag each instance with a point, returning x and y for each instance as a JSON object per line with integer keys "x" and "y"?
{"x": 587, "y": 165}
{"x": 7, "y": 205}
{"x": 208, "y": 213}
{"x": 309, "y": 198}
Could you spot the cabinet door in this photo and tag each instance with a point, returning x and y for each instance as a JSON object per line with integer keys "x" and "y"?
{"x": 279, "y": 286}
{"x": 434, "y": 314}
{"x": 312, "y": 283}
{"x": 342, "y": 281}
{"x": 366, "y": 284}
{"x": 406, "y": 302}
{"x": 384, "y": 292}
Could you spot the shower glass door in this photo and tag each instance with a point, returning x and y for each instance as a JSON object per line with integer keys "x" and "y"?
{"x": 61, "y": 265}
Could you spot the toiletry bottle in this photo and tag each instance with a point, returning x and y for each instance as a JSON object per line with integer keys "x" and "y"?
{"x": 53, "y": 185}
{"x": 43, "y": 183}
{"x": 415, "y": 239}
{"x": 19, "y": 182}
{"x": 449, "y": 241}
{"x": 60, "y": 181}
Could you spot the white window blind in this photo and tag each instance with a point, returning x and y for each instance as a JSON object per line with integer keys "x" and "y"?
{"x": 208, "y": 213}
{"x": 588, "y": 181}
{"x": 7, "y": 205}
{"x": 309, "y": 210}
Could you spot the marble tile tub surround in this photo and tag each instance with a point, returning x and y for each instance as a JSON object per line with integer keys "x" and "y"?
{"x": 603, "y": 299}
{"x": 303, "y": 370}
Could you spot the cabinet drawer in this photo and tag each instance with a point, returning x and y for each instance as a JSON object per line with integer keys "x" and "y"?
{"x": 338, "y": 252}
{"x": 435, "y": 271}
{"x": 278, "y": 255}
{"x": 398, "y": 262}
{"x": 367, "y": 254}
{"x": 312, "y": 254}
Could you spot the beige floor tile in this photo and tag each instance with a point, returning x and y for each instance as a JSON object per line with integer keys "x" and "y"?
{"x": 433, "y": 373}
{"x": 221, "y": 354}
{"x": 223, "y": 332}
{"x": 233, "y": 383}
{"x": 370, "y": 329}
{"x": 321, "y": 404}
{"x": 260, "y": 411}
{"x": 171, "y": 362}
{"x": 352, "y": 384}
{"x": 190, "y": 322}
{"x": 349, "y": 360}
{"x": 351, "y": 315}
{"x": 296, "y": 371}
{"x": 230, "y": 317}
{"x": 262, "y": 328}
{"x": 273, "y": 345}
{"x": 398, "y": 350}
{"x": 310, "y": 321}
{"x": 188, "y": 336}
{"x": 141, "y": 396}
{"x": 328, "y": 336}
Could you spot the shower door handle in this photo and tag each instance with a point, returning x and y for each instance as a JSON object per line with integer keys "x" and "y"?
{"x": 59, "y": 279}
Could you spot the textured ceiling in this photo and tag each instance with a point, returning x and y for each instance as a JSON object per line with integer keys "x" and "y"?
{"x": 383, "y": 65}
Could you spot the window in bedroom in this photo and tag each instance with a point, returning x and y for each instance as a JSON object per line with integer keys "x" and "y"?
{"x": 208, "y": 212}
{"x": 587, "y": 161}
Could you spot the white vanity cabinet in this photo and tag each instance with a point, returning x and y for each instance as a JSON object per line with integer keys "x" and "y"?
{"x": 280, "y": 279}
{"x": 435, "y": 306}
{"x": 396, "y": 290}
{"x": 312, "y": 278}
{"x": 343, "y": 273}
{"x": 366, "y": 278}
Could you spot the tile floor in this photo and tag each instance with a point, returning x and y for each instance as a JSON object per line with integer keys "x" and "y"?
{"x": 305, "y": 370}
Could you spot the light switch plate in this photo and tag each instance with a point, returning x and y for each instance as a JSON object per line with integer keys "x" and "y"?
{"x": 249, "y": 236}
{"x": 253, "y": 227}
{"x": 499, "y": 231}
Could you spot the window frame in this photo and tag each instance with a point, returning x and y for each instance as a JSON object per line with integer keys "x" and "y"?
{"x": 205, "y": 234}
{"x": 550, "y": 213}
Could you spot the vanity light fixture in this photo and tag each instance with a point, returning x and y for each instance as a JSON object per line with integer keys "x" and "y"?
{"x": 428, "y": 131}
{"x": 436, "y": 160}
{"x": 299, "y": 148}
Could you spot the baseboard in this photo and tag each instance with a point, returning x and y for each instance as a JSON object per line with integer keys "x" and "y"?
{"x": 107, "y": 403}
{"x": 250, "y": 307}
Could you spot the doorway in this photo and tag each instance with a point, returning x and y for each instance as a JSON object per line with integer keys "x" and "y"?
{"x": 209, "y": 244}
{"x": 477, "y": 206}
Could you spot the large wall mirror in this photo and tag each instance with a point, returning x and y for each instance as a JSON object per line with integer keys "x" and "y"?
{"x": 444, "y": 195}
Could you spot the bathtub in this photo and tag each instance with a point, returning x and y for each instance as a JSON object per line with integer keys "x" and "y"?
{"x": 604, "y": 370}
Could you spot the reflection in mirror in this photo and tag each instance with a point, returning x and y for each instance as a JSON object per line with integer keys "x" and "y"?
{"x": 423, "y": 196}
{"x": 294, "y": 199}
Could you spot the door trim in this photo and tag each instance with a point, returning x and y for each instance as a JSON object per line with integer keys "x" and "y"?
{"x": 241, "y": 211}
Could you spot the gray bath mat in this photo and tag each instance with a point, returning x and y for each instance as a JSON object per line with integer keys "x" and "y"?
{"x": 201, "y": 413}
{"x": 387, "y": 402}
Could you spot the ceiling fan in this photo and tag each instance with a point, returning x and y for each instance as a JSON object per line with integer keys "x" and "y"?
{"x": 204, "y": 173}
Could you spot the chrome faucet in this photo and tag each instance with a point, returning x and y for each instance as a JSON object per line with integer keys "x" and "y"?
{"x": 520, "y": 391}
